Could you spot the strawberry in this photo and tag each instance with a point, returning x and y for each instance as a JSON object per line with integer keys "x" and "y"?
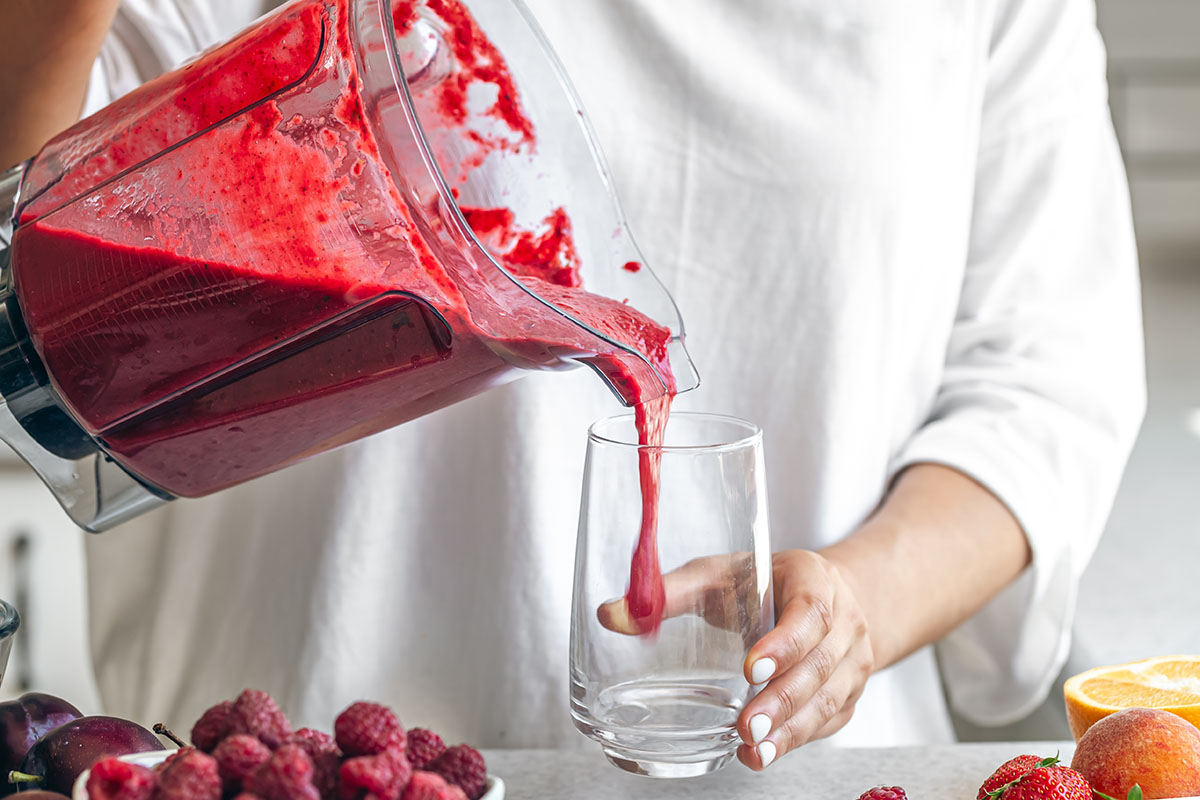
{"x": 1045, "y": 783}
{"x": 1010, "y": 770}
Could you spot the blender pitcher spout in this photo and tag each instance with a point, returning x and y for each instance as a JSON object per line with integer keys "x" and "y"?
{"x": 676, "y": 370}
{"x": 687, "y": 377}
{"x": 669, "y": 370}
{"x": 645, "y": 382}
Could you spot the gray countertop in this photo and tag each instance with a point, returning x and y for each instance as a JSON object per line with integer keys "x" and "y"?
{"x": 944, "y": 772}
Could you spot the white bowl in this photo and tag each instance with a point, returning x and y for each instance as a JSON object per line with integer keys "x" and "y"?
{"x": 494, "y": 790}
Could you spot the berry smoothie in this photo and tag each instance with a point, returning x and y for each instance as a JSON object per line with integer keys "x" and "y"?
{"x": 297, "y": 303}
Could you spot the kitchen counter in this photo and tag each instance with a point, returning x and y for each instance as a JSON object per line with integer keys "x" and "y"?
{"x": 820, "y": 772}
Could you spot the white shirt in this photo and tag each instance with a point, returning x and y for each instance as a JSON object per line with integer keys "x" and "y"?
{"x": 897, "y": 233}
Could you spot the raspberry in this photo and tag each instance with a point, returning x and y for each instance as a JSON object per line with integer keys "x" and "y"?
{"x": 286, "y": 775}
{"x": 431, "y": 786}
{"x": 884, "y": 793}
{"x": 237, "y": 756}
{"x": 423, "y": 747}
{"x": 313, "y": 741}
{"x": 1011, "y": 770}
{"x": 246, "y": 796}
{"x": 213, "y": 726}
{"x": 166, "y": 763}
{"x": 382, "y": 776}
{"x": 365, "y": 729}
{"x": 326, "y": 758}
{"x": 191, "y": 775}
{"x": 463, "y": 766}
{"x": 256, "y": 713}
{"x": 113, "y": 779}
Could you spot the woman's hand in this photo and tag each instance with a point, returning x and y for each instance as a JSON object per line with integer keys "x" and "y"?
{"x": 815, "y": 662}
{"x": 940, "y": 542}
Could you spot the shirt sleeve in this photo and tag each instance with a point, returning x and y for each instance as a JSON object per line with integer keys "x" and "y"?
{"x": 1043, "y": 389}
{"x": 120, "y": 67}
{"x": 143, "y": 42}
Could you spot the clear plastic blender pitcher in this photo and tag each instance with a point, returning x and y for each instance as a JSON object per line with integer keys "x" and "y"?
{"x": 352, "y": 214}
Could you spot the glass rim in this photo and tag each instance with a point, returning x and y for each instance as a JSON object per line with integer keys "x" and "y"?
{"x": 753, "y": 433}
{"x": 10, "y": 620}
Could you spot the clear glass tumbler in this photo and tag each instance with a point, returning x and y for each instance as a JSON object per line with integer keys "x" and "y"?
{"x": 665, "y": 703}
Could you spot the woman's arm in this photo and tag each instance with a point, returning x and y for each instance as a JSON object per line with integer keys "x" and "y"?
{"x": 47, "y": 48}
{"x": 938, "y": 549}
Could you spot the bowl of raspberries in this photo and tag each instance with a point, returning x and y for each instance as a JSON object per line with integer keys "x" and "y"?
{"x": 245, "y": 749}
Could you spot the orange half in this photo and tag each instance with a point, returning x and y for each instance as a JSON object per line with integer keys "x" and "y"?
{"x": 1171, "y": 683}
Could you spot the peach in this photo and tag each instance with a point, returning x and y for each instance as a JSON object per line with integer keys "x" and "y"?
{"x": 1148, "y": 746}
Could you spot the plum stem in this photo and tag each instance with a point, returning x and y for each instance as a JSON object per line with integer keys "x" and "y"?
{"x": 24, "y": 777}
{"x": 163, "y": 730}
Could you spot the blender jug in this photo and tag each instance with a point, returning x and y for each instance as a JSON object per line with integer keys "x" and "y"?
{"x": 353, "y": 213}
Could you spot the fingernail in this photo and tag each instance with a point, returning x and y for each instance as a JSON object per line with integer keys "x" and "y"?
{"x": 766, "y": 753}
{"x": 762, "y": 670}
{"x": 760, "y": 726}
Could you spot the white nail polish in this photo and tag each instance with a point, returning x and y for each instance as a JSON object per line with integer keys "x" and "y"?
{"x": 766, "y": 753}
{"x": 760, "y": 726}
{"x": 762, "y": 670}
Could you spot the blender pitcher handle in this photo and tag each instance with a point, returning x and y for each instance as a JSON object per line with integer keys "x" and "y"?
{"x": 93, "y": 489}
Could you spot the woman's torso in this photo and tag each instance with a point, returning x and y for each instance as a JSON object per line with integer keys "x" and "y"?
{"x": 799, "y": 174}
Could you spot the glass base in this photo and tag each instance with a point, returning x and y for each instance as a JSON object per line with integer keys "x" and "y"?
{"x": 666, "y": 769}
{"x": 665, "y": 727}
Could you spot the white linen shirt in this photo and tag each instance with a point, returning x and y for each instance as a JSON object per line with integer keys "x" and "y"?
{"x": 898, "y": 233}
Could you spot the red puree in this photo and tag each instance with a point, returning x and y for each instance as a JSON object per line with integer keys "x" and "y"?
{"x": 260, "y": 292}
{"x": 550, "y": 257}
{"x": 477, "y": 60}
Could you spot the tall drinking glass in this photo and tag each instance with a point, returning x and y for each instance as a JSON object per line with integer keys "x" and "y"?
{"x": 665, "y": 703}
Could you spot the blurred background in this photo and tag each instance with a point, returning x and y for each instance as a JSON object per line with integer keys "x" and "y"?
{"x": 1137, "y": 598}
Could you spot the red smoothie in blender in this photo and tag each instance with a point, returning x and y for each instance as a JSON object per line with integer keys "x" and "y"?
{"x": 205, "y": 349}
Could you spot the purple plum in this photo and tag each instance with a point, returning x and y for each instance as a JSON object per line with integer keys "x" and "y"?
{"x": 22, "y": 722}
{"x": 62, "y": 755}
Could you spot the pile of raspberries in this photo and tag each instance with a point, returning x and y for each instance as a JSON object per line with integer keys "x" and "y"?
{"x": 246, "y": 750}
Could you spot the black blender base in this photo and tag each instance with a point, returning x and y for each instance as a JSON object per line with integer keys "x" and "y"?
{"x": 26, "y": 389}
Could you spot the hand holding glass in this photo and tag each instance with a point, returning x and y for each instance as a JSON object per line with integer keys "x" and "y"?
{"x": 666, "y": 704}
